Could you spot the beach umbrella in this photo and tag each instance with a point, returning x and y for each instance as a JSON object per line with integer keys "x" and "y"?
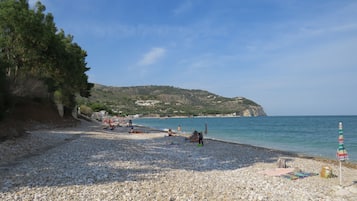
{"x": 341, "y": 151}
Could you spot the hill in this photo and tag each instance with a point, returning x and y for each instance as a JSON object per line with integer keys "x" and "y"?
{"x": 170, "y": 101}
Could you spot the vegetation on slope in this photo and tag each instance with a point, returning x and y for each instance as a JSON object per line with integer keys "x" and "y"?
{"x": 166, "y": 101}
{"x": 36, "y": 59}
{"x": 38, "y": 63}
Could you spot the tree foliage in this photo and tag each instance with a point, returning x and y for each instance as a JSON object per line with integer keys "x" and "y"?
{"x": 31, "y": 46}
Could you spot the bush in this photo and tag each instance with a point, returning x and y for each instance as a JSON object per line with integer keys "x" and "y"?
{"x": 86, "y": 110}
{"x": 98, "y": 107}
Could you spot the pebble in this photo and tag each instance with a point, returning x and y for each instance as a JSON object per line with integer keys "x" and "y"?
{"x": 97, "y": 165}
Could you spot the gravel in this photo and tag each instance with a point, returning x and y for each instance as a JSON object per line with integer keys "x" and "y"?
{"x": 89, "y": 163}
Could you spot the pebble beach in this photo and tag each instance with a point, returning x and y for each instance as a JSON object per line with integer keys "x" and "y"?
{"x": 87, "y": 162}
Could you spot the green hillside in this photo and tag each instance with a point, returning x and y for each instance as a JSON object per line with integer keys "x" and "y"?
{"x": 169, "y": 101}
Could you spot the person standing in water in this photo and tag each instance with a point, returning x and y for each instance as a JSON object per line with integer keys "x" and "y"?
{"x": 206, "y": 129}
{"x": 200, "y": 138}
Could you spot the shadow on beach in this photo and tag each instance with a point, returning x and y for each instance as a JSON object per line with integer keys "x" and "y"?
{"x": 93, "y": 159}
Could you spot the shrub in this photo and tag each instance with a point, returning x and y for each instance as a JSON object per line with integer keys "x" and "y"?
{"x": 86, "y": 110}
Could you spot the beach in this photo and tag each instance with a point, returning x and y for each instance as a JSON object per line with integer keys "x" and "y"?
{"x": 87, "y": 162}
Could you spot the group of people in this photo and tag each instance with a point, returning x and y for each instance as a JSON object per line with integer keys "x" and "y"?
{"x": 171, "y": 133}
{"x": 111, "y": 123}
{"x": 196, "y": 137}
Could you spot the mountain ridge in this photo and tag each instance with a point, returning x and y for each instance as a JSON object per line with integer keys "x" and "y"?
{"x": 160, "y": 100}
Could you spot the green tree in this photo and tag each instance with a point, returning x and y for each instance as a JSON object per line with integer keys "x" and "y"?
{"x": 32, "y": 47}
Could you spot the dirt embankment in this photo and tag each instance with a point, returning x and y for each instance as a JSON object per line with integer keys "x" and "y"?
{"x": 32, "y": 115}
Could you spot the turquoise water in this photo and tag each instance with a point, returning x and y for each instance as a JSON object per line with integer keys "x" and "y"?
{"x": 309, "y": 135}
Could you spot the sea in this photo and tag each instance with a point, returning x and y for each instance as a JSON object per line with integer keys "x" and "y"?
{"x": 307, "y": 135}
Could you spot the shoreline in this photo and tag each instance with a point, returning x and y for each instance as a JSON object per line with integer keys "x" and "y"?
{"x": 91, "y": 163}
{"x": 350, "y": 164}
{"x": 289, "y": 153}
{"x": 321, "y": 144}
{"x": 148, "y": 129}
{"x": 228, "y": 116}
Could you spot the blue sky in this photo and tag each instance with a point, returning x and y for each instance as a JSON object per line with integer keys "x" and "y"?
{"x": 293, "y": 57}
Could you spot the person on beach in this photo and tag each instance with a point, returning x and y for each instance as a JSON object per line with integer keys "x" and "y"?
{"x": 130, "y": 123}
{"x": 206, "y": 130}
{"x": 193, "y": 137}
{"x": 111, "y": 124}
{"x": 200, "y": 138}
{"x": 170, "y": 133}
{"x": 179, "y": 128}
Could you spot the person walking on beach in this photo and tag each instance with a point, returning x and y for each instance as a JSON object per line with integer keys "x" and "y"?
{"x": 200, "y": 138}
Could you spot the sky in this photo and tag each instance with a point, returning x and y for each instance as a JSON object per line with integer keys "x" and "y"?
{"x": 293, "y": 57}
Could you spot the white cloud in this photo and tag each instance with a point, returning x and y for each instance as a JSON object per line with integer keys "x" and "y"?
{"x": 152, "y": 56}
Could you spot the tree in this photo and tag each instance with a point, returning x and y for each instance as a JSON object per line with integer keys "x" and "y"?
{"x": 31, "y": 47}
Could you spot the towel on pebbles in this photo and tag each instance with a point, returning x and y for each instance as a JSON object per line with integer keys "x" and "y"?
{"x": 277, "y": 171}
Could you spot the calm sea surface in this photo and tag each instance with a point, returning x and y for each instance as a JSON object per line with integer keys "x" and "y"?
{"x": 309, "y": 135}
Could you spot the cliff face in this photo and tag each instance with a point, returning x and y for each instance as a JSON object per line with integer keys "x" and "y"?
{"x": 253, "y": 111}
